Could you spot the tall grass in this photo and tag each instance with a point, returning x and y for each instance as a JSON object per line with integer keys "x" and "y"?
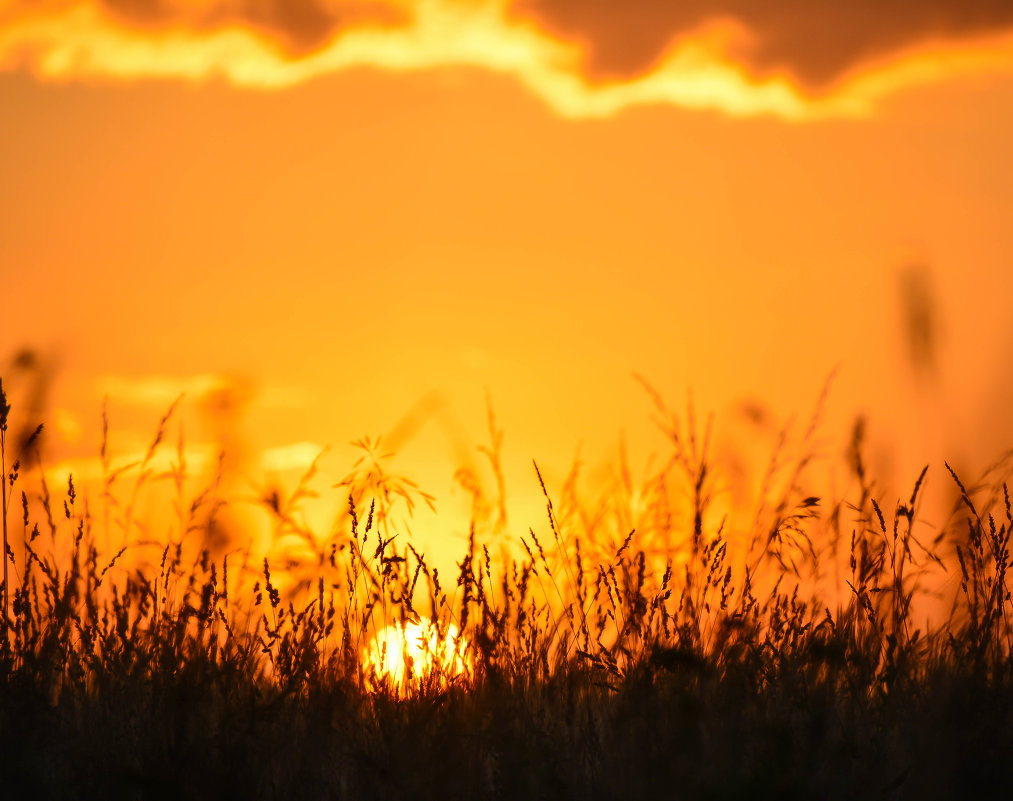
{"x": 602, "y": 660}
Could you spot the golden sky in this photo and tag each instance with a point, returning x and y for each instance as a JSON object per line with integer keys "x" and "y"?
{"x": 362, "y": 217}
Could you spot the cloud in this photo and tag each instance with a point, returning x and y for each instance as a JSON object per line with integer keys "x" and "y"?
{"x": 797, "y": 59}
{"x": 299, "y": 26}
{"x": 815, "y": 41}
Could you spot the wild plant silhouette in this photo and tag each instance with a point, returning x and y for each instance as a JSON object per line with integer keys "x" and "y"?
{"x": 609, "y": 650}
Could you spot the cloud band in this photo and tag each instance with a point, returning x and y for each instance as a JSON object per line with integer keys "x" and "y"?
{"x": 797, "y": 59}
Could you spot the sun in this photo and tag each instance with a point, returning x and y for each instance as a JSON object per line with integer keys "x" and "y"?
{"x": 413, "y": 651}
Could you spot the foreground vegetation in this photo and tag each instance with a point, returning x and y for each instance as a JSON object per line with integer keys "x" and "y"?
{"x": 678, "y": 657}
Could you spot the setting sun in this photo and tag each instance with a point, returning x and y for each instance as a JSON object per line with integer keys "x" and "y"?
{"x": 417, "y": 651}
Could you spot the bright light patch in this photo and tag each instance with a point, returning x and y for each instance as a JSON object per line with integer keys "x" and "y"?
{"x": 297, "y": 456}
{"x": 68, "y": 427}
{"x": 416, "y": 650}
{"x": 157, "y": 390}
{"x": 126, "y": 465}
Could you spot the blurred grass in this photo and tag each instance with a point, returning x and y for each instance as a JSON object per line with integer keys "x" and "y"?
{"x": 631, "y": 646}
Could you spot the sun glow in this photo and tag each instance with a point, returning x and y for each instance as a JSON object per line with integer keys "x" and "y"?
{"x": 415, "y": 651}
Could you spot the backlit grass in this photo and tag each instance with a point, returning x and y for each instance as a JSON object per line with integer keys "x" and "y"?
{"x": 827, "y": 650}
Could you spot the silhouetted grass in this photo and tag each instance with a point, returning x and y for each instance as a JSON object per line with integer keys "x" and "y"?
{"x": 680, "y": 658}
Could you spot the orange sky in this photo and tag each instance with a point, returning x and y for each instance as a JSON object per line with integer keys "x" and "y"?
{"x": 344, "y": 209}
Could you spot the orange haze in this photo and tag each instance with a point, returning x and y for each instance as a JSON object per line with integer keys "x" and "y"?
{"x": 373, "y": 225}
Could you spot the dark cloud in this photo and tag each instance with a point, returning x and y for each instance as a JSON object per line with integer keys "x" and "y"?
{"x": 300, "y": 26}
{"x": 817, "y": 41}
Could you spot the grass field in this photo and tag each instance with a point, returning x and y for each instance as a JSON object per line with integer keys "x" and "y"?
{"x": 680, "y": 657}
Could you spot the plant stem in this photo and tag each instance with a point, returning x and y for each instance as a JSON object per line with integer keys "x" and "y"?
{"x": 3, "y": 474}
